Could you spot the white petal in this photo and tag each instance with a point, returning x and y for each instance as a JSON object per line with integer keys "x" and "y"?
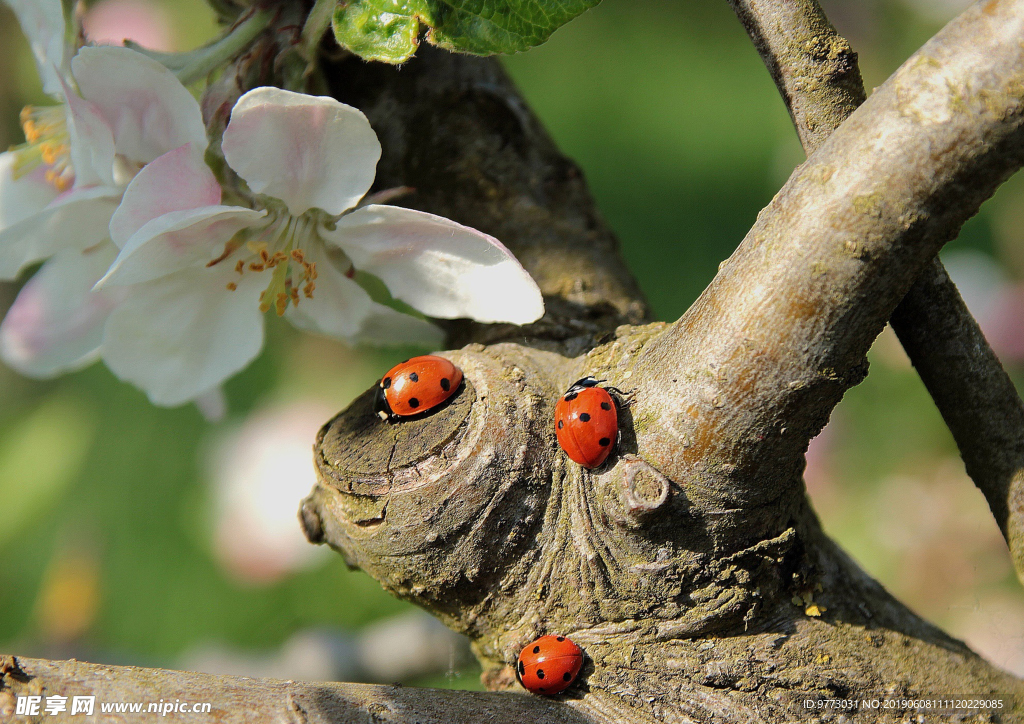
{"x": 21, "y": 198}
{"x": 178, "y": 240}
{"x": 56, "y": 323}
{"x": 92, "y": 142}
{"x": 441, "y": 268}
{"x": 177, "y": 181}
{"x": 42, "y": 21}
{"x": 339, "y": 306}
{"x": 308, "y": 151}
{"x": 76, "y": 220}
{"x": 180, "y": 336}
{"x": 149, "y": 111}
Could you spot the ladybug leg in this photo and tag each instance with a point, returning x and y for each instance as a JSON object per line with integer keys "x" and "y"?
{"x": 624, "y": 399}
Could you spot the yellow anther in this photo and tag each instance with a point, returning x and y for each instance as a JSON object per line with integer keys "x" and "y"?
{"x": 232, "y": 286}
{"x": 240, "y": 266}
{"x": 298, "y": 256}
{"x": 256, "y": 267}
{"x": 281, "y": 304}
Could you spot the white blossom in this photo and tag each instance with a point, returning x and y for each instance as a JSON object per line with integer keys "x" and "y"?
{"x": 201, "y": 274}
{"x": 59, "y": 190}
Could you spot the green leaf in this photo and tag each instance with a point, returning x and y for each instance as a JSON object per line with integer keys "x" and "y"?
{"x": 389, "y": 30}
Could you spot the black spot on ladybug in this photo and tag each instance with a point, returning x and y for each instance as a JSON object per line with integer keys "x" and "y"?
{"x": 565, "y": 676}
{"x": 386, "y": 383}
{"x": 446, "y": 384}
{"x": 541, "y": 688}
{"x": 605, "y": 406}
{"x": 540, "y": 673}
{"x": 603, "y": 442}
{"x": 585, "y": 417}
{"x": 414, "y": 403}
{"x": 414, "y": 377}
{"x": 560, "y": 638}
{"x": 560, "y": 424}
{"x": 571, "y": 396}
{"x": 522, "y": 669}
{"x": 536, "y": 649}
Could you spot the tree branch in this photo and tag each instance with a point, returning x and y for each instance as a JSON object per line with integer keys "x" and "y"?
{"x": 240, "y": 700}
{"x": 757, "y": 364}
{"x": 814, "y": 67}
{"x": 816, "y": 72}
{"x": 976, "y": 397}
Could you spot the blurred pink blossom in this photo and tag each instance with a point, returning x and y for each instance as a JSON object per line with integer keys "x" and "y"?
{"x": 111, "y": 22}
{"x": 261, "y": 473}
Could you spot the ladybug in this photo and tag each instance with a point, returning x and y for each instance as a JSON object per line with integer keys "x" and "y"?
{"x": 416, "y": 386}
{"x": 549, "y": 665}
{"x": 586, "y": 422}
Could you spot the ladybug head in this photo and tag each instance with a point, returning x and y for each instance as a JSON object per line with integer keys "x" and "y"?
{"x": 583, "y": 383}
{"x": 381, "y": 406}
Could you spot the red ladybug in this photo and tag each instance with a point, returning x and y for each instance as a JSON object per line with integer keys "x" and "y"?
{"x": 416, "y": 386}
{"x": 549, "y": 665}
{"x": 586, "y": 423}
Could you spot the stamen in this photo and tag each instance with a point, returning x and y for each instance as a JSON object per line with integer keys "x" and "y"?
{"x": 47, "y": 143}
{"x": 232, "y": 286}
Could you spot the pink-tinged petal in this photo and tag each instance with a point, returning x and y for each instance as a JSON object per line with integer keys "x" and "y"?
{"x": 441, "y": 268}
{"x": 339, "y": 306}
{"x": 183, "y": 335}
{"x": 22, "y": 197}
{"x": 177, "y": 181}
{"x": 42, "y": 21}
{"x": 56, "y": 323}
{"x": 308, "y": 151}
{"x": 178, "y": 240}
{"x": 75, "y": 220}
{"x": 92, "y": 142}
{"x": 149, "y": 111}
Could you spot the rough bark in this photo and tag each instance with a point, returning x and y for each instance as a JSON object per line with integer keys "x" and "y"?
{"x": 816, "y": 72}
{"x": 690, "y": 566}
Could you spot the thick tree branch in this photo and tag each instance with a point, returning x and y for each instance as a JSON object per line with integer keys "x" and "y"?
{"x": 757, "y": 364}
{"x": 241, "y": 700}
{"x": 816, "y": 73}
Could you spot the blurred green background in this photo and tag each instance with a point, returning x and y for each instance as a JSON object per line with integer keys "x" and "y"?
{"x": 120, "y": 544}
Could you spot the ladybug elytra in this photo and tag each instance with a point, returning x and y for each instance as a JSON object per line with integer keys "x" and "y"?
{"x": 416, "y": 386}
{"x": 586, "y": 423}
{"x": 549, "y": 664}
